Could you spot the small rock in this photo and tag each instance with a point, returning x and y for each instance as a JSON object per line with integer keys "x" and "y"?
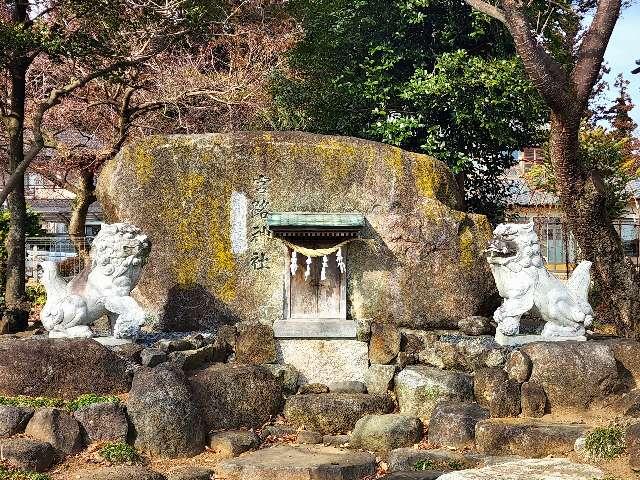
{"x": 192, "y": 359}
{"x": 197, "y": 341}
{"x": 27, "y": 454}
{"x": 150, "y": 357}
{"x": 13, "y": 420}
{"x": 506, "y": 400}
{"x": 379, "y": 378}
{"x": 232, "y": 443}
{"x": 130, "y": 351}
{"x": 386, "y": 432}
{"x": 331, "y": 413}
{"x": 255, "y": 344}
{"x": 175, "y": 345}
{"x": 315, "y": 388}
{"x": 485, "y": 384}
{"x": 277, "y": 431}
{"x": 336, "y": 440}
{"x": 405, "y": 459}
{"x": 348, "y": 387}
{"x": 419, "y": 389}
{"x": 287, "y": 374}
{"x": 518, "y": 366}
{"x": 475, "y": 325}
{"x": 532, "y": 399}
{"x": 310, "y": 437}
{"x": 56, "y": 427}
{"x": 123, "y": 472}
{"x": 189, "y": 473}
{"x": 453, "y": 424}
{"x": 103, "y": 422}
{"x": 384, "y": 344}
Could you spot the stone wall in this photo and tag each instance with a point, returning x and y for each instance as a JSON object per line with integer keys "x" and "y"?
{"x": 200, "y": 200}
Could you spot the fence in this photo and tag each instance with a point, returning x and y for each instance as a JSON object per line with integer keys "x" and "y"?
{"x": 57, "y": 249}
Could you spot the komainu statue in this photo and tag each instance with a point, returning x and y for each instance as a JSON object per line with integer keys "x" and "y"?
{"x": 117, "y": 256}
{"x": 526, "y": 286}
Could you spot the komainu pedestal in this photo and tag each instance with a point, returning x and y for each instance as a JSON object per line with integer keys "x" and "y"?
{"x": 526, "y": 286}
{"x": 117, "y": 255}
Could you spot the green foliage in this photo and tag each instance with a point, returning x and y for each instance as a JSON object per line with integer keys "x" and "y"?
{"x": 428, "y": 76}
{"x": 90, "y": 399}
{"x": 439, "y": 465}
{"x": 602, "y": 153}
{"x": 119, "y": 453}
{"x": 11, "y": 474}
{"x": 605, "y": 442}
{"x": 36, "y": 294}
{"x": 33, "y": 402}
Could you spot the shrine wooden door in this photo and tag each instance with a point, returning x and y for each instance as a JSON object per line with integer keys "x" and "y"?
{"x": 314, "y": 297}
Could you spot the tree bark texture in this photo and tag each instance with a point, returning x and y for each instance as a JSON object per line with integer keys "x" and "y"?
{"x": 85, "y": 196}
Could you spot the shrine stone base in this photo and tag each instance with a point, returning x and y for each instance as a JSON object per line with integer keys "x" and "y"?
{"x": 325, "y": 361}
{"x": 515, "y": 340}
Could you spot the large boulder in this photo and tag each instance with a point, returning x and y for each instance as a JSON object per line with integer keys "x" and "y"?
{"x": 573, "y": 374}
{"x": 453, "y": 424}
{"x": 163, "y": 413}
{"x": 232, "y": 396}
{"x": 333, "y": 412}
{"x": 386, "y": 432}
{"x": 57, "y": 428}
{"x": 64, "y": 368}
{"x": 27, "y": 454}
{"x": 421, "y": 265}
{"x": 627, "y": 353}
{"x": 419, "y": 389}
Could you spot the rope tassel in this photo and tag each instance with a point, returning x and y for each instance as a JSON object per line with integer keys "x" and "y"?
{"x": 307, "y": 272}
{"x": 325, "y": 264}
{"x": 340, "y": 260}
{"x": 294, "y": 263}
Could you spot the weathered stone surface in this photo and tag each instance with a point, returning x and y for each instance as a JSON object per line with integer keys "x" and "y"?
{"x": 460, "y": 352}
{"x": 231, "y": 396}
{"x": 386, "y": 432}
{"x": 103, "y": 422}
{"x": 255, "y": 344}
{"x": 192, "y": 359}
{"x": 419, "y": 389}
{"x": 627, "y": 353}
{"x": 384, "y": 345}
{"x": 453, "y": 424}
{"x": 530, "y": 469}
{"x": 307, "y": 462}
{"x": 232, "y": 443}
{"x": 518, "y": 366}
{"x": 573, "y": 374}
{"x": 405, "y": 459}
{"x": 164, "y": 415}
{"x": 201, "y": 276}
{"x": 13, "y": 420}
{"x": 505, "y": 401}
{"x": 174, "y": 345}
{"x": 333, "y": 412}
{"x": 424, "y": 475}
{"x": 475, "y": 325}
{"x": 287, "y": 375}
{"x": 527, "y": 438}
{"x": 486, "y": 382}
{"x": 533, "y": 400}
{"x": 189, "y": 473}
{"x": 325, "y": 361}
{"x": 316, "y": 388}
{"x": 629, "y": 404}
{"x": 57, "y": 428}
{"x": 124, "y": 472}
{"x": 277, "y": 431}
{"x": 336, "y": 440}
{"x": 150, "y": 357}
{"x": 65, "y": 368}
{"x": 309, "y": 436}
{"x": 27, "y": 454}
{"x": 632, "y": 443}
{"x": 379, "y": 378}
{"x": 130, "y": 351}
{"x": 347, "y": 387}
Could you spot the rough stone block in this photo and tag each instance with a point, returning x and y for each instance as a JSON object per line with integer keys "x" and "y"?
{"x": 26, "y": 454}
{"x": 532, "y": 399}
{"x": 13, "y": 420}
{"x": 232, "y": 443}
{"x": 255, "y": 344}
{"x": 453, "y": 424}
{"x": 384, "y": 345}
{"x": 57, "y": 428}
{"x": 379, "y": 378}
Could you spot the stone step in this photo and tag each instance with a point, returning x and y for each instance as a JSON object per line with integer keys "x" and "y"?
{"x": 526, "y": 438}
{"x": 530, "y": 469}
{"x": 286, "y": 462}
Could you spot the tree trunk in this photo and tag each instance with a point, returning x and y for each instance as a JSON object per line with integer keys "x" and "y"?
{"x": 85, "y": 196}
{"x": 582, "y": 199}
{"x": 16, "y": 314}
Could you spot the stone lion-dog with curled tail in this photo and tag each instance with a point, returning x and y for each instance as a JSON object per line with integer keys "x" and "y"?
{"x": 526, "y": 286}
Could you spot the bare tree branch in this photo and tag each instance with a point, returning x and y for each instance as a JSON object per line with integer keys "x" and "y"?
{"x": 487, "y": 8}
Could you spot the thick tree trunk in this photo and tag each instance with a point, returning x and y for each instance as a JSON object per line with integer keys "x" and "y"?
{"x": 582, "y": 198}
{"x": 85, "y": 196}
{"x": 16, "y": 314}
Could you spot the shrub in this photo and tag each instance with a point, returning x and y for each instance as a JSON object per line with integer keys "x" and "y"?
{"x": 89, "y": 399}
{"x": 36, "y": 294}
{"x": 10, "y": 474}
{"x": 605, "y": 442}
{"x": 119, "y": 453}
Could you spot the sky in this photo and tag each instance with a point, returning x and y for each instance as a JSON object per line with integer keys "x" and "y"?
{"x": 622, "y": 53}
